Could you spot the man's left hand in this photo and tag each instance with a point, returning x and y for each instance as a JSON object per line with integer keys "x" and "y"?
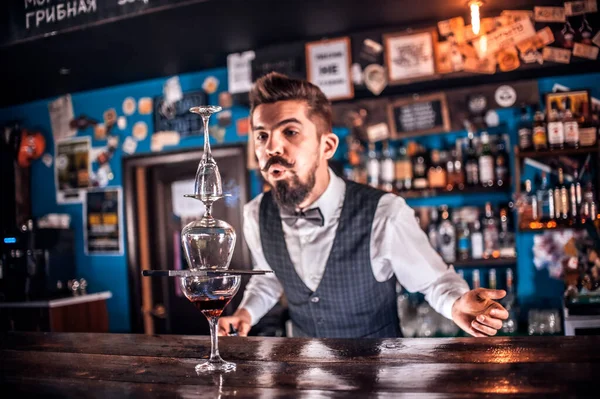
{"x": 477, "y": 313}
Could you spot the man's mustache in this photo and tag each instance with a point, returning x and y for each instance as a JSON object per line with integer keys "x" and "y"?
{"x": 277, "y": 160}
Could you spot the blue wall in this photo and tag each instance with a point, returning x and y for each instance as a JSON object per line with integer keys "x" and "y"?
{"x": 110, "y": 272}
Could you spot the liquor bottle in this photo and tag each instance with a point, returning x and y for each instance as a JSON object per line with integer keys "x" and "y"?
{"x": 571, "y": 127}
{"x": 404, "y": 170}
{"x": 501, "y": 168}
{"x": 525, "y": 131}
{"x": 388, "y": 172}
{"x": 436, "y": 175}
{"x": 589, "y": 207}
{"x": 464, "y": 240}
{"x": 471, "y": 165}
{"x": 588, "y": 134}
{"x": 373, "y": 167}
{"x": 509, "y": 326}
{"x": 545, "y": 199}
{"x": 492, "y": 283}
{"x": 447, "y": 233}
{"x": 556, "y": 132}
{"x": 585, "y": 31}
{"x": 507, "y": 244}
{"x": 420, "y": 171}
{"x": 490, "y": 233}
{"x": 575, "y": 196}
{"x": 564, "y": 196}
{"x": 476, "y": 241}
{"x": 432, "y": 230}
{"x": 456, "y": 175}
{"x": 540, "y": 137}
{"x": 527, "y": 213}
{"x": 486, "y": 162}
{"x": 476, "y": 279}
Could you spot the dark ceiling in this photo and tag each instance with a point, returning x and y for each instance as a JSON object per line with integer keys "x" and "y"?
{"x": 199, "y": 35}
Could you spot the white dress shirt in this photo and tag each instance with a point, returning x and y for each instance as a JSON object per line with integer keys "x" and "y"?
{"x": 398, "y": 246}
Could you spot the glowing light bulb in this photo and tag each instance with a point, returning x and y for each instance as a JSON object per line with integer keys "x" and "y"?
{"x": 475, "y": 18}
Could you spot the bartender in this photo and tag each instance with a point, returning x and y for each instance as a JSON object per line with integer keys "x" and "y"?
{"x": 337, "y": 248}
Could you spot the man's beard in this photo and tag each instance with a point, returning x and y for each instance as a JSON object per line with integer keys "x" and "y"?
{"x": 290, "y": 194}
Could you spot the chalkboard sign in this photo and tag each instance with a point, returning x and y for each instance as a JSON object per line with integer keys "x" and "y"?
{"x": 419, "y": 115}
{"x": 178, "y": 116}
{"x": 34, "y": 18}
{"x": 288, "y": 60}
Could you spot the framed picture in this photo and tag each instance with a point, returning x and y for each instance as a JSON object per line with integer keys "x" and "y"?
{"x": 410, "y": 56}
{"x": 328, "y": 66}
{"x": 418, "y": 116}
{"x": 577, "y": 98}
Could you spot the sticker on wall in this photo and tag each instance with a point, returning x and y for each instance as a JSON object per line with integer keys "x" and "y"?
{"x": 357, "y": 74}
{"x": 61, "y": 114}
{"x": 492, "y": 118}
{"x": 122, "y": 123}
{"x": 47, "y": 160}
{"x": 375, "y": 78}
{"x": 218, "y": 133}
{"x": 140, "y": 131}
{"x": 242, "y": 126}
{"x": 505, "y": 96}
{"x": 113, "y": 141}
{"x": 163, "y": 139}
{"x": 129, "y": 145}
{"x": 100, "y": 131}
{"x": 145, "y": 106}
{"x": 224, "y": 118}
{"x": 129, "y": 106}
{"x": 102, "y": 177}
{"x": 225, "y": 99}
{"x": 110, "y": 117}
{"x": 82, "y": 122}
{"x": 172, "y": 90}
{"x": 95, "y": 153}
{"x": 210, "y": 85}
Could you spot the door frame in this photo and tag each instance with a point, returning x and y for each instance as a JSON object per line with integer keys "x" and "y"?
{"x": 146, "y": 161}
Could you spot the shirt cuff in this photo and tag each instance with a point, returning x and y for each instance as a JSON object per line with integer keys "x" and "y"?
{"x": 450, "y": 299}
{"x": 247, "y": 304}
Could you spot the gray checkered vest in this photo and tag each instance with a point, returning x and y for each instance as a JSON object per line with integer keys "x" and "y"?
{"x": 349, "y": 302}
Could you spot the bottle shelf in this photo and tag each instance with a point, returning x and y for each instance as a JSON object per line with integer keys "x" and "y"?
{"x": 492, "y": 262}
{"x": 550, "y": 225}
{"x": 439, "y": 192}
{"x": 554, "y": 153}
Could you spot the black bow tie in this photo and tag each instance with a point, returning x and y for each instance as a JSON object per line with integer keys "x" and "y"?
{"x": 312, "y": 215}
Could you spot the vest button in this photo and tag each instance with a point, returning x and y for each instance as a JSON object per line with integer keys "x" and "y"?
{"x": 314, "y": 299}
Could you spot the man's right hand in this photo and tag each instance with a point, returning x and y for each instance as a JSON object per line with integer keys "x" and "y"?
{"x": 240, "y": 320}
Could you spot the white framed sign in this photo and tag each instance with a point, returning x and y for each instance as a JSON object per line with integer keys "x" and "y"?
{"x": 328, "y": 66}
{"x": 410, "y": 56}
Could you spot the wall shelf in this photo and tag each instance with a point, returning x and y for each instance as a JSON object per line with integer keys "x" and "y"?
{"x": 438, "y": 192}
{"x": 555, "y": 153}
{"x": 493, "y": 262}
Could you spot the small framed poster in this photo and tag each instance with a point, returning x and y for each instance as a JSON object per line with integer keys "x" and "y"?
{"x": 103, "y": 222}
{"x": 416, "y": 116}
{"x": 576, "y": 97}
{"x": 328, "y": 66}
{"x": 410, "y": 56}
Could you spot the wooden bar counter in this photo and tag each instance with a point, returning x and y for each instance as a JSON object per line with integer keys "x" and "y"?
{"x": 129, "y": 366}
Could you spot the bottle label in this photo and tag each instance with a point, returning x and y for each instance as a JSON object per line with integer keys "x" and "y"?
{"x": 373, "y": 171}
{"x": 556, "y": 133}
{"x": 587, "y": 136}
{"x": 539, "y": 136}
{"x": 486, "y": 168}
{"x": 403, "y": 170}
{"x": 463, "y": 244}
{"x": 525, "y": 137}
{"x": 477, "y": 245}
{"x": 388, "y": 172}
{"x": 572, "y": 132}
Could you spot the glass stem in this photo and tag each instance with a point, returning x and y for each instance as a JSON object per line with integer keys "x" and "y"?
{"x": 207, "y": 156}
{"x": 214, "y": 340}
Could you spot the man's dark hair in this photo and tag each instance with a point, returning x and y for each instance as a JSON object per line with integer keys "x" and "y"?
{"x": 275, "y": 87}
